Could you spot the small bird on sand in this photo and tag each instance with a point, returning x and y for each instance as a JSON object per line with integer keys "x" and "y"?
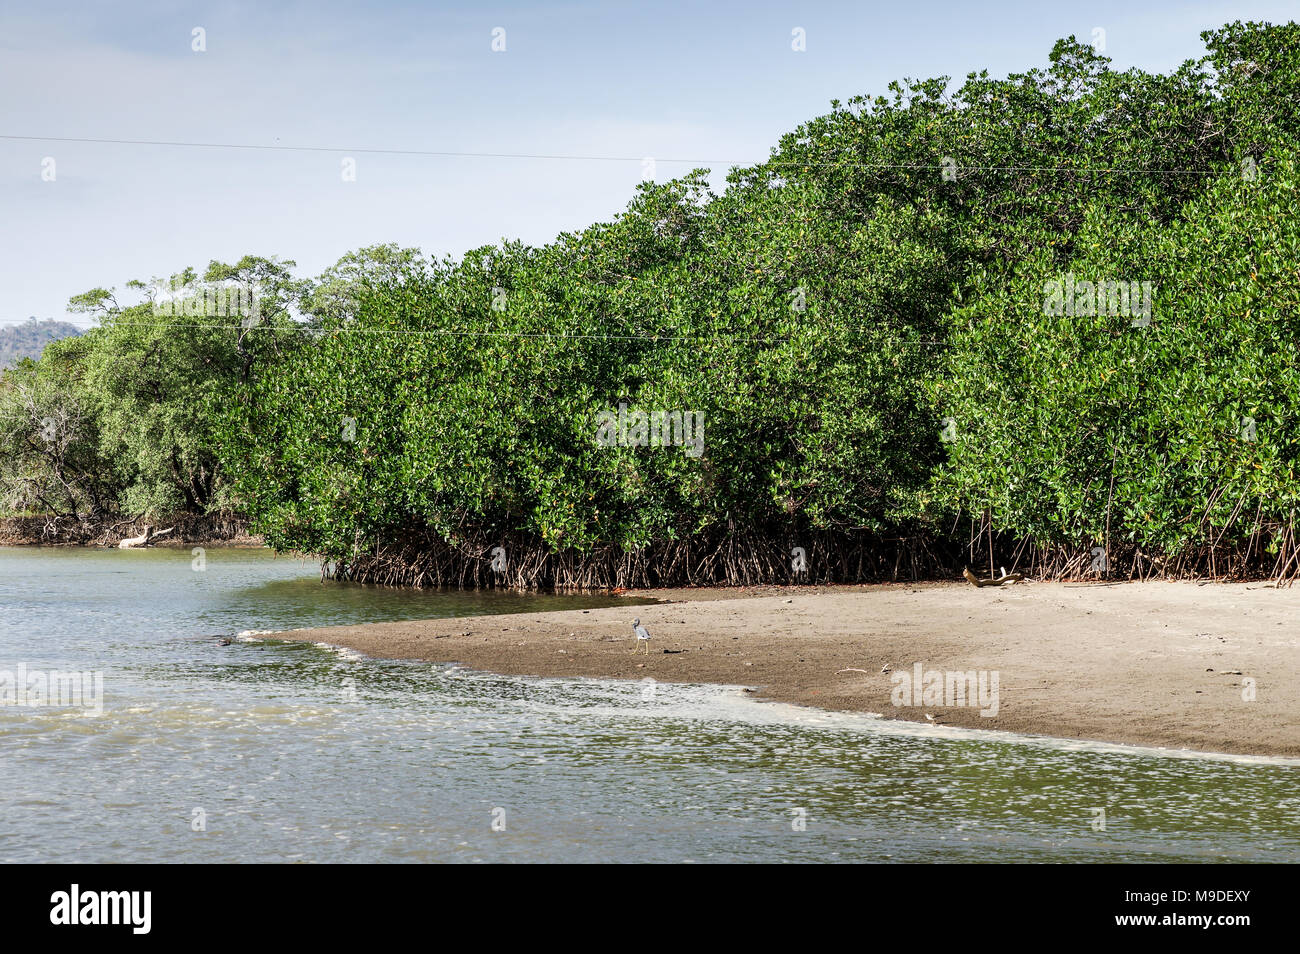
{"x": 642, "y": 635}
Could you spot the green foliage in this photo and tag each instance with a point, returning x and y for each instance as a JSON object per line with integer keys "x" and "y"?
{"x": 474, "y": 419}
{"x": 824, "y": 314}
{"x": 133, "y": 404}
{"x": 51, "y": 462}
{"x": 1171, "y": 434}
{"x": 884, "y": 270}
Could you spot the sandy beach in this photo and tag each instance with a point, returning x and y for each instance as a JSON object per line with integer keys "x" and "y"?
{"x": 1159, "y": 664}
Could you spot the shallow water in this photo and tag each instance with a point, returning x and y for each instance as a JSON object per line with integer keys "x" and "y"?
{"x": 293, "y": 752}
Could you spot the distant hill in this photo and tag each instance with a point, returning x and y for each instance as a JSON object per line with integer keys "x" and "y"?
{"x": 29, "y": 339}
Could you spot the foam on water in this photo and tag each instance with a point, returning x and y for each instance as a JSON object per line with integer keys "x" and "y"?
{"x": 343, "y": 652}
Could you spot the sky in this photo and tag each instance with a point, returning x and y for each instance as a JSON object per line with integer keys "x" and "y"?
{"x": 714, "y": 84}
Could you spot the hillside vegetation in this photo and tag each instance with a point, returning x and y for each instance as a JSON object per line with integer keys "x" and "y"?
{"x": 29, "y": 338}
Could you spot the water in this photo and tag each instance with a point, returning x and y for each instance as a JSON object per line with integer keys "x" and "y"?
{"x": 292, "y": 752}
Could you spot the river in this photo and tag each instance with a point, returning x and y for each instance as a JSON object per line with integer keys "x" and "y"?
{"x": 260, "y": 751}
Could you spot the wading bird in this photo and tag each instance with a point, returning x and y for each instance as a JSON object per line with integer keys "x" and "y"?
{"x": 642, "y": 635}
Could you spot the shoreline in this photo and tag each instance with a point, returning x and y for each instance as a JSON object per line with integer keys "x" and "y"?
{"x": 209, "y": 543}
{"x": 189, "y": 530}
{"x": 1158, "y": 664}
{"x": 217, "y": 543}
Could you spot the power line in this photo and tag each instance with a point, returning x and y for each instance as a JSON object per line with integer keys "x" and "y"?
{"x": 454, "y": 332}
{"x": 319, "y": 331}
{"x": 365, "y": 150}
{"x": 959, "y": 167}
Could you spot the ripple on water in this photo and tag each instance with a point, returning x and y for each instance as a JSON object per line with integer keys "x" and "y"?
{"x": 294, "y": 752}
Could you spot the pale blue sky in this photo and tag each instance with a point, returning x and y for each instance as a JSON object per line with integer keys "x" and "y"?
{"x": 699, "y": 81}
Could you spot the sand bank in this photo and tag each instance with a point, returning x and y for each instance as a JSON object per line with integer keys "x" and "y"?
{"x": 1164, "y": 664}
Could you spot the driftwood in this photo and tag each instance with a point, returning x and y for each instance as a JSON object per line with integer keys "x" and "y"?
{"x": 108, "y": 530}
{"x": 144, "y": 539}
{"x": 992, "y": 581}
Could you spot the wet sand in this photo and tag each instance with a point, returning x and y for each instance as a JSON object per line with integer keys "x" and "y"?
{"x": 1161, "y": 664}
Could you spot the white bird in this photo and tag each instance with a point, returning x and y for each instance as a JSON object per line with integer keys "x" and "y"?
{"x": 642, "y": 635}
